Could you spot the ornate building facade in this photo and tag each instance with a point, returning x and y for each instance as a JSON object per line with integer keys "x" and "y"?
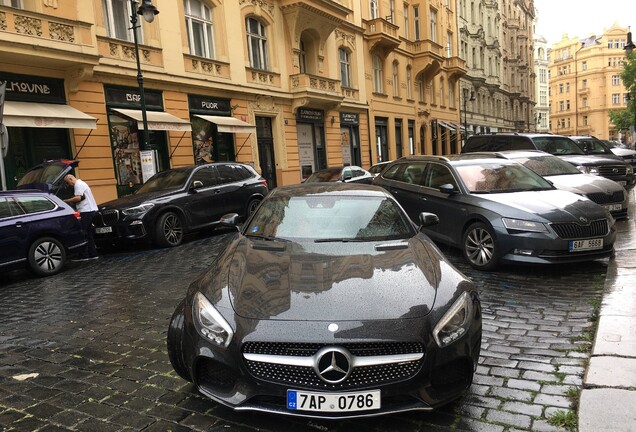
{"x": 585, "y": 84}
{"x": 542, "y": 87}
{"x": 496, "y": 41}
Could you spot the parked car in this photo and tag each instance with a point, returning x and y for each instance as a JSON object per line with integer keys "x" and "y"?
{"x": 345, "y": 174}
{"x": 498, "y": 211}
{"x": 37, "y": 230}
{"x": 377, "y": 168}
{"x": 180, "y": 200}
{"x": 592, "y": 145}
{"x": 48, "y": 176}
{"x": 329, "y": 303}
{"x": 565, "y": 176}
{"x": 558, "y": 145}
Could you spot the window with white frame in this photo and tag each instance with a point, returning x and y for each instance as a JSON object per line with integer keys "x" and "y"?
{"x": 584, "y": 65}
{"x": 392, "y": 11}
{"x": 396, "y": 80}
{"x": 610, "y": 43}
{"x": 420, "y": 89}
{"x": 256, "y": 43}
{"x": 407, "y": 34}
{"x": 616, "y": 80}
{"x": 442, "y": 98}
{"x": 373, "y": 9}
{"x": 584, "y": 84}
{"x": 416, "y": 22}
{"x": 584, "y": 102}
{"x": 345, "y": 67}
{"x": 449, "y": 44}
{"x": 451, "y": 94}
{"x": 409, "y": 85}
{"x": 117, "y": 15}
{"x": 13, "y": 3}
{"x": 431, "y": 91}
{"x": 200, "y": 28}
{"x": 433, "y": 22}
{"x": 377, "y": 74}
{"x": 616, "y": 98}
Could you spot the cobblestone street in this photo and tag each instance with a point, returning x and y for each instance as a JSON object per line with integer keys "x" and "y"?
{"x": 86, "y": 349}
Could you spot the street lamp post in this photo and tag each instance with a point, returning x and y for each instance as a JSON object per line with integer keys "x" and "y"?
{"x": 466, "y": 99}
{"x": 629, "y": 48}
{"x": 148, "y": 11}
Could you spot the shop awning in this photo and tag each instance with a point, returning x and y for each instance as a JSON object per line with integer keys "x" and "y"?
{"x": 229, "y": 124}
{"x": 157, "y": 120}
{"x": 31, "y": 114}
{"x": 447, "y": 125}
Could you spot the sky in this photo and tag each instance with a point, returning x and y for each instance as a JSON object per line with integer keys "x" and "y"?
{"x": 582, "y": 18}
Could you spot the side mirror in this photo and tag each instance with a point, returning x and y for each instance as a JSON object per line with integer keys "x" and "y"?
{"x": 197, "y": 184}
{"x": 346, "y": 177}
{"x": 229, "y": 220}
{"x": 428, "y": 219}
{"x": 447, "y": 188}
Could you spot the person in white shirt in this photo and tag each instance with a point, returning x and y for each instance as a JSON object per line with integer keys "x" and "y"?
{"x": 87, "y": 207}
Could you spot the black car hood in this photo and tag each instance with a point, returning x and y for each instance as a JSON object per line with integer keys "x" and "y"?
{"x": 133, "y": 200}
{"x": 331, "y": 281}
{"x": 585, "y": 183}
{"x": 553, "y": 205}
{"x": 591, "y": 159}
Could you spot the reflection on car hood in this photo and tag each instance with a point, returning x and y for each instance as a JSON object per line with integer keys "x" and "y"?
{"x": 623, "y": 152}
{"x": 553, "y": 205}
{"x": 135, "y": 200}
{"x": 585, "y": 183}
{"x": 590, "y": 159}
{"x": 331, "y": 281}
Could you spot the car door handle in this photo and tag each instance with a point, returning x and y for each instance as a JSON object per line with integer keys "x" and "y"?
{"x": 19, "y": 224}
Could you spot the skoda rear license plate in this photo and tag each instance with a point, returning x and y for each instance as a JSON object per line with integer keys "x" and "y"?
{"x": 590, "y": 244}
{"x": 333, "y": 402}
{"x": 103, "y": 230}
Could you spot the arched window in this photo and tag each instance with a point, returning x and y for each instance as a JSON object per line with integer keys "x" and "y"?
{"x": 409, "y": 84}
{"x": 302, "y": 57}
{"x": 117, "y": 15}
{"x": 256, "y": 43}
{"x": 200, "y": 28}
{"x": 396, "y": 80}
{"x": 345, "y": 67}
{"x": 377, "y": 74}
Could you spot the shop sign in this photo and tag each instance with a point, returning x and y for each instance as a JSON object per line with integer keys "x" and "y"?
{"x": 349, "y": 119}
{"x": 312, "y": 115}
{"x": 129, "y": 97}
{"x": 209, "y": 105}
{"x": 27, "y": 88}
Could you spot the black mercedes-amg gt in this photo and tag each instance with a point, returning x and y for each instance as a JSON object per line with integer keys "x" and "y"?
{"x": 329, "y": 302}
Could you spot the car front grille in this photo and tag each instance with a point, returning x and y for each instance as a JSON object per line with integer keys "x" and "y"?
{"x": 598, "y": 228}
{"x": 611, "y": 171}
{"x": 360, "y": 377}
{"x": 606, "y": 198}
{"x": 108, "y": 217}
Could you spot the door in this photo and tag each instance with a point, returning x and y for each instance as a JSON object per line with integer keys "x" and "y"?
{"x": 205, "y": 202}
{"x": 266, "y": 155}
{"x": 443, "y": 205}
{"x": 11, "y": 234}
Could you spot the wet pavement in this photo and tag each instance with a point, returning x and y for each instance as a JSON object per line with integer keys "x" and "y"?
{"x": 86, "y": 349}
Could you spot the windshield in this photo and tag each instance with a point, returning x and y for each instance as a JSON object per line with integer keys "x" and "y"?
{"x": 548, "y": 165}
{"x": 492, "y": 177}
{"x": 593, "y": 146}
{"x": 557, "y": 145}
{"x": 166, "y": 180}
{"x": 330, "y": 218}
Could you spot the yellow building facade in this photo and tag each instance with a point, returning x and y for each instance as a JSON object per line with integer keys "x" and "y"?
{"x": 288, "y": 86}
{"x": 585, "y": 84}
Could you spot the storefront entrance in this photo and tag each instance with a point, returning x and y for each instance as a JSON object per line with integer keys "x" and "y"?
{"x": 311, "y": 144}
{"x": 350, "y": 139}
{"x": 266, "y": 155}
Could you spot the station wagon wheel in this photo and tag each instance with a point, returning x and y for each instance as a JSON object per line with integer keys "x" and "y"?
{"x": 175, "y": 338}
{"x": 252, "y": 205}
{"x": 47, "y": 256}
{"x": 480, "y": 247}
{"x": 169, "y": 230}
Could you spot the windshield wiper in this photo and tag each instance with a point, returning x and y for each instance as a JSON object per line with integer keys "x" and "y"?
{"x": 341, "y": 240}
{"x": 267, "y": 238}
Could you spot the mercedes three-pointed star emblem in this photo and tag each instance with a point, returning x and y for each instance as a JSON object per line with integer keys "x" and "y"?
{"x": 333, "y": 364}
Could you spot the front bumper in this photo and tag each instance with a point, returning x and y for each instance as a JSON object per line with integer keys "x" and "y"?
{"x": 109, "y": 229}
{"x": 226, "y": 376}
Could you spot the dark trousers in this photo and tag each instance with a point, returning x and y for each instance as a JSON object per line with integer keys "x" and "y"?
{"x": 87, "y": 227}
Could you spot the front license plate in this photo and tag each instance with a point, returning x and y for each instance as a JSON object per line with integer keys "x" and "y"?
{"x": 333, "y": 402}
{"x": 579, "y": 245}
{"x": 103, "y": 230}
{"x": 613, "y": 207}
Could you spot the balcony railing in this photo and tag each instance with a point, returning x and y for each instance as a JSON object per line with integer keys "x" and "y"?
{"x": 315, "y": 84}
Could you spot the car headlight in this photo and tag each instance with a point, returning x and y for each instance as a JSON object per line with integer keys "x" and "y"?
{"x": 630, "y": 169}
{"x": 524, "y": 225}
{"x": 588, "y": 169}
{"x": 210, "y": 323}
{"x": 136, "y": 211}
{"x": 455, "y": 322}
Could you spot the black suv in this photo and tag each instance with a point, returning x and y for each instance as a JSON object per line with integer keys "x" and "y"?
{"x": 558, "y": 145}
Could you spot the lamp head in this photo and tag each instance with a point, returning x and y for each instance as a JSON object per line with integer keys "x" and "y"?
{"x": 629, "y": 46}
{"x": 147, "y": 10}
{"x": 472, "y": 96}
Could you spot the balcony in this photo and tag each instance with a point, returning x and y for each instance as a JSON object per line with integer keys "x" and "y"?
{"x": 113, "y": 51}
{"x": 207, "y": 67}
{"x": 350, "y": 93}
{"x": 456, "y": 66}
{"x": 584, "y": 90}
{"x": 316, "y": 91}
{"x": 33, "y": 37}
{"x": 381, "y": 35}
